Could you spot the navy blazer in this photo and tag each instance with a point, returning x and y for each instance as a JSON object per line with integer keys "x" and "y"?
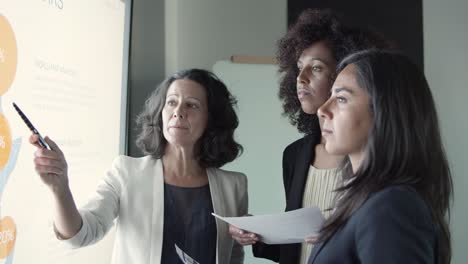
{"x": 297, "y": 158}
{"x": 393, "y": 226}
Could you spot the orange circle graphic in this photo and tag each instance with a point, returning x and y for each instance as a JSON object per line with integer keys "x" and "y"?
{"x": 5, "y": 141}
{"x": 7, "y": 236}
{"x": 8, "y": 55}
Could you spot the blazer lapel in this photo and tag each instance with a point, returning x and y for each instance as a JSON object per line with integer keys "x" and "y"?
{"x": 304, "y": 157}
{"x": 216, "y": 198}
{"x": 315, "y": 252}
{"x": 158, "y": 210}
{"x": 218, "y": 207}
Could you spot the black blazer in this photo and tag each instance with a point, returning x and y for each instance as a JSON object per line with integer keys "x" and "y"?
{"x": 393, "y": 226}
{"x": 297, "y": 158}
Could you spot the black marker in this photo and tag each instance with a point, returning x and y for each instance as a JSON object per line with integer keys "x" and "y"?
{"x": 41, "y": 141}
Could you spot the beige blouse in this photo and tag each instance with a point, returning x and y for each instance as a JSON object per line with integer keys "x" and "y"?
{"x": 318, "y": 192}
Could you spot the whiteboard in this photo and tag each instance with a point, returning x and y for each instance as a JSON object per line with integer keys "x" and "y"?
{"x": 65, "y": 64}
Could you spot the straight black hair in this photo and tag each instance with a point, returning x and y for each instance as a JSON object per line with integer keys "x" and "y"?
{"x": 404, "y": 145}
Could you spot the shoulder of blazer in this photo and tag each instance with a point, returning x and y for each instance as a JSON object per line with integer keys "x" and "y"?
{"x": 127, "y": 162}
{"x": 307, "y": 141}
{"x": 229, "y": 177}
{"x": 396, "y": 210}
{"x": 296, "y": 158}
{"x": 396, "y": 200}
{"x": 129, "y": 167}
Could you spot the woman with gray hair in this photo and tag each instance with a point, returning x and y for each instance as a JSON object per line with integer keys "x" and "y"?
{"x": 162, "y": 202}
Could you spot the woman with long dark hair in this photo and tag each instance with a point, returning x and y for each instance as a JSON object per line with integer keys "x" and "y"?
{"x": 396, "y": 184}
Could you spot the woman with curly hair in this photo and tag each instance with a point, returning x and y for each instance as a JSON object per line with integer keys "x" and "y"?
{"x": 163, "y": 200}
{"x": 307, "y": 57}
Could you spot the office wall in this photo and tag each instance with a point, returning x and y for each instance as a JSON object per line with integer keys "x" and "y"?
{"x": 446, "y": 62}
{"x": 199, "y": 33}
{"x": 146, "y": 67}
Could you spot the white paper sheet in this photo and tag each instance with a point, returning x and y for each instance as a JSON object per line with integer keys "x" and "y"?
{"x": 186, "y": 259}
{"x": 282, "y": 228}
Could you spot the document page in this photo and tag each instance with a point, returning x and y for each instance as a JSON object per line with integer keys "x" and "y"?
{"x": 282, "y": 228}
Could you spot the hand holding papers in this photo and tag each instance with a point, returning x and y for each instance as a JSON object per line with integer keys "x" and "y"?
{"x": 283, "y": 228}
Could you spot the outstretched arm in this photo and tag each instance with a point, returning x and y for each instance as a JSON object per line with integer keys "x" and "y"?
{"x": 53, "y": 170}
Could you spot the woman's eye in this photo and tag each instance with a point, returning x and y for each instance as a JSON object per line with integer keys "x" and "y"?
{"x": 316, "y": 68}
{"x": 340, "y": 99}
{"x": 190, "y": 105}
{"x": 171, "y": 103}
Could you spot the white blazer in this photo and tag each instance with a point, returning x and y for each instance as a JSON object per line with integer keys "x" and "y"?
{"x": 132, "y": 193}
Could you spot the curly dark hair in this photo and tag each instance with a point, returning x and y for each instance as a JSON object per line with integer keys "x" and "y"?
{"x": 217, "y": 146}
{"x": 314, "y": 25}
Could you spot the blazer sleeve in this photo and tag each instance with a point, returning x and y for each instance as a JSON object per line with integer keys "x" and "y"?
{"x": 396, "y": 228}
{"x": 272, "y": 252}
{"x": 100, "y": 211}
{"x": 237, "y": 255}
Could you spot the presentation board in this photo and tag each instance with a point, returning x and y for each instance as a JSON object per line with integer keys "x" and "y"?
{"x": 262, "y": 131}
{"x": 64, "y": 63}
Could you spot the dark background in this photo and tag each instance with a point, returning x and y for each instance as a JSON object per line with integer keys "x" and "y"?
{"x": 401, "y": 21}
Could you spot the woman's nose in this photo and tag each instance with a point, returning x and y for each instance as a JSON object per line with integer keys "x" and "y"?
{"x": 324, "y": 111}
{"x": 302, "y": 77}
{"x": 178, "y": 113}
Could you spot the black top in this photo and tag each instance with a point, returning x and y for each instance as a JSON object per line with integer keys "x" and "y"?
{"x": 297, "y": 158}
{"x": 393, "y": 226}
{"x": 188, "y": 223}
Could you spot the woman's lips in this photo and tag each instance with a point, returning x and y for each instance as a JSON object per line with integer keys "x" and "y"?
{"x": 326, "y": 132}
{"x": 301, "y": 93}
{"x": 178, "y": 127}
